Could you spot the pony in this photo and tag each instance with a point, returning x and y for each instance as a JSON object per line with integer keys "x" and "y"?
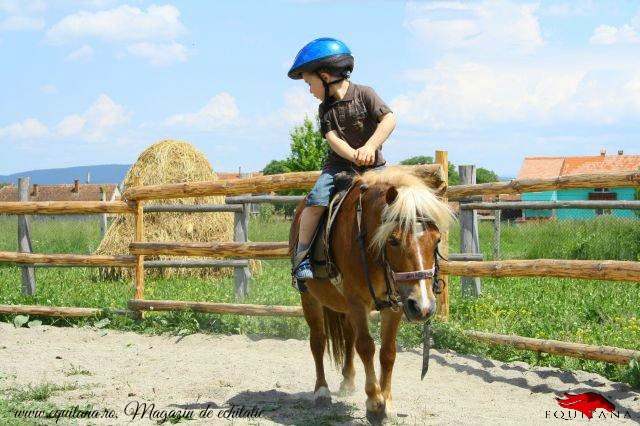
{"x": 384, "y": 244}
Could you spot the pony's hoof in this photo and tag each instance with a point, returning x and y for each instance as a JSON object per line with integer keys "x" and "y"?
{"x": 346, "y": 389}
{"x": 377, "y": 417}
{"x": 322, "y": 398}
{"x": 389, "y": 412}
{"x": 384, "y": 414}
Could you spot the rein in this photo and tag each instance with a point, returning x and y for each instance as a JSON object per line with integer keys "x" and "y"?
{"x": 391, "y": 277}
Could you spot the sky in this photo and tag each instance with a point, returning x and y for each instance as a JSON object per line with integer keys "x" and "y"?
{"x": 494, "y": 81}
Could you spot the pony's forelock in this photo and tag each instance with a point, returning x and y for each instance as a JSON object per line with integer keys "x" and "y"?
{"x": 414, "y": 199}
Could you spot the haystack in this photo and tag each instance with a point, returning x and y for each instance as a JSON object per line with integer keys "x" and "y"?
{"x": 169, "y": 161}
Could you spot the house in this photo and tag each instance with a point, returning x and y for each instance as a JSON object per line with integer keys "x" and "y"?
{"x": 237, "y": 175}
{"x": 69, "y": 192}
{"x": 553, "y": 167}
{"x": 254, "y": 208}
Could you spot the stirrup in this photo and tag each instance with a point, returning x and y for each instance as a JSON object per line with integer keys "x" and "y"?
{"x": 298, "y": 285}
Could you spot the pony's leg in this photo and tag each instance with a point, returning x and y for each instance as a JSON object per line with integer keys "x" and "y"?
{"x": 348, "y": 385}
{"x": 313, "y": 314}
{"x": 389, "y": 328}
{"x": 366, "y": 349}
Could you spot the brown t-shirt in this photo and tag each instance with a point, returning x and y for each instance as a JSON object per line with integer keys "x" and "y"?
{"x": 354, "y": 118}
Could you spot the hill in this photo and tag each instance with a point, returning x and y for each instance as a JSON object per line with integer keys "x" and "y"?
{"x": 104, "y": 173}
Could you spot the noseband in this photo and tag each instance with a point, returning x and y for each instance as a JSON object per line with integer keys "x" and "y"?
{"x": 390, "y": 276}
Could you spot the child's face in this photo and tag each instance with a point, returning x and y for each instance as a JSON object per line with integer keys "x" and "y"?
{"x": 316, "y": 87}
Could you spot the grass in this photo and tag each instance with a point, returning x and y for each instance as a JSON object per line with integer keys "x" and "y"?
{"x": 23, "y": 406}
{"x": 586, "y": 311}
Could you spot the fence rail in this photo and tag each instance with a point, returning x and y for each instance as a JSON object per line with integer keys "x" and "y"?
{"x": 236, "y": 202}
{"x": 65, "y": 207}
{"x": 613, "y": 270}
{"x": 267, "y": 250}
{"x": 575, "y": 350}
{"x": 67, "y": 259}
{"x": 550, "y": 205}
{"x": 59, "y": 311}
{"x": 604, "y": 180}
{"x": 430, "y": 173}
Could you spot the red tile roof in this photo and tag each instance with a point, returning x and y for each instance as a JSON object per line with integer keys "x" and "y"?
{"x": 235, "y": 175}
{"x": 550, "y": 167}
{"x": 87, "y": 192}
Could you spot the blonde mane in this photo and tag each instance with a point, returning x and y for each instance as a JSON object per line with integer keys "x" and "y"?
{"x": 415, "y": 199}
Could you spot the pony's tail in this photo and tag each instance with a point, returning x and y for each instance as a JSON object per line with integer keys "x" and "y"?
{"x": 334, "y": 323}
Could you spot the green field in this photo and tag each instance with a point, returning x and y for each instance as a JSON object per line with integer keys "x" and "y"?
{"x": 593, "y": 312}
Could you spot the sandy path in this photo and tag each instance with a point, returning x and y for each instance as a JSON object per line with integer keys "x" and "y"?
{"x": 277, "y": 376}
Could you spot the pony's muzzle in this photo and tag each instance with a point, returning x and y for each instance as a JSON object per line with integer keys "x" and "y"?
{"x": 421, "y": 309}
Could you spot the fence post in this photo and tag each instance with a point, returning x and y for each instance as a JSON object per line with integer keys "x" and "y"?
{"x": 496, "y": 234}
{"x": 24, "y": 240}
{"x": 139, "y": 237}
{"x": 469, "y": 241}
{"x": 103, "y": 216}
{"x": 442, "y": 158}
{"x": 241, "y": 235}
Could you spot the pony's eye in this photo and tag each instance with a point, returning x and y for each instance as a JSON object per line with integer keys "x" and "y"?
{"x": 394, "y": 241}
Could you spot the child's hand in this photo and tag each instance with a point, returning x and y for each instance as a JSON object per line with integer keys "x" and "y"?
{"x": 365, "y": 156}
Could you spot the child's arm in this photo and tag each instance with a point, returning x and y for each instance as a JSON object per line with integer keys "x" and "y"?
{"x": 340, "y": 146}
{"x": 366, "y": 155}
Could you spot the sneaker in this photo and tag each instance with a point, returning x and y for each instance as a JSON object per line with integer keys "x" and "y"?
{"x": 303, "y": 271}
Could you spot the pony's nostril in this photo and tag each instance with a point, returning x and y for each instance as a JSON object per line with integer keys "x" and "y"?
{"x": 413, "y": 307}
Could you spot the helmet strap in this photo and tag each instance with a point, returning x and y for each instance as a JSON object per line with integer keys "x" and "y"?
{"x": 327, "y": 87}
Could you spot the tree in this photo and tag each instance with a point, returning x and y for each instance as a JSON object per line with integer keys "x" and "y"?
{"x": 307, "y": 151}
{"x": 454, "y": 177}
{"x": 275, "y": 167}
{"x": 308, "y": 148}
{"x": 420, "y": 159}
{"x": 485, "y": 175}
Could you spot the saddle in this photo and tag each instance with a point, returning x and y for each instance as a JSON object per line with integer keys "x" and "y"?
{"x": 319, "y": 250}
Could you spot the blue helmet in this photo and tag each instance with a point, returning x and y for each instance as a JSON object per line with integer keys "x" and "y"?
{"x": 327, "y": 53}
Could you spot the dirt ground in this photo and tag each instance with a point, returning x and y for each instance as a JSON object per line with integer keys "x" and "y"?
{"x": 211, "y": 374}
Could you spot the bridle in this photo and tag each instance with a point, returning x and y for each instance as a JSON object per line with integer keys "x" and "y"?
{"x": 392, "y": 277}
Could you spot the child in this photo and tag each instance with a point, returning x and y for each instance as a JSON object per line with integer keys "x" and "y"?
{"x": 353, "y": 119}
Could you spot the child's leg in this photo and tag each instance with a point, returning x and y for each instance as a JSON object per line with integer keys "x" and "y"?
{"x": 308, "y": 222}
{"x": 316, "y": 203}
{"x": 309, "y": 219}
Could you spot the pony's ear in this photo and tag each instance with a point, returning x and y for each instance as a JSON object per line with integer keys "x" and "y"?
{"x": 391, "y": 194}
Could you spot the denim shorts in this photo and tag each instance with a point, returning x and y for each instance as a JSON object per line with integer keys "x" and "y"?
{"x": 323, "y": 188}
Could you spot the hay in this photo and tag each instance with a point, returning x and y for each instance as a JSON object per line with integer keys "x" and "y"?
{"x": 164, "y": 162}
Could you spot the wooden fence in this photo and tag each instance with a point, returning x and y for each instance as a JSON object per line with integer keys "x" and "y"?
{"x": 435, "y": 176}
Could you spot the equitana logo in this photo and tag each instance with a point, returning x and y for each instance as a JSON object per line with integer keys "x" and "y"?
{"x": 584, "y": 405}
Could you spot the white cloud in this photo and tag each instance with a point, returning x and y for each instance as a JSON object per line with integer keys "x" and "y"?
{"x": 84, "y": 52}
{"x": 94, "y": 124}
{"x": 298, "y": 103}
{"x": 159, "y": 54}
{"x": 22, "y": 6}
{"x": 124, "y": 23}
{"x": 220, "y": 111}
{"x": 489, "y": 25}
{"x": 606, "y": 34}
{"x": 49, "y": 89}
{"x": 8, "y": 6}
{"x": 97, "y": 3}
{"x": 29, "y": 128}
{"x": 19, "y": 23}
{"x": 71, "y": 125}
{"x": 568, "y": 9}
{"x": 463, "y": 94}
